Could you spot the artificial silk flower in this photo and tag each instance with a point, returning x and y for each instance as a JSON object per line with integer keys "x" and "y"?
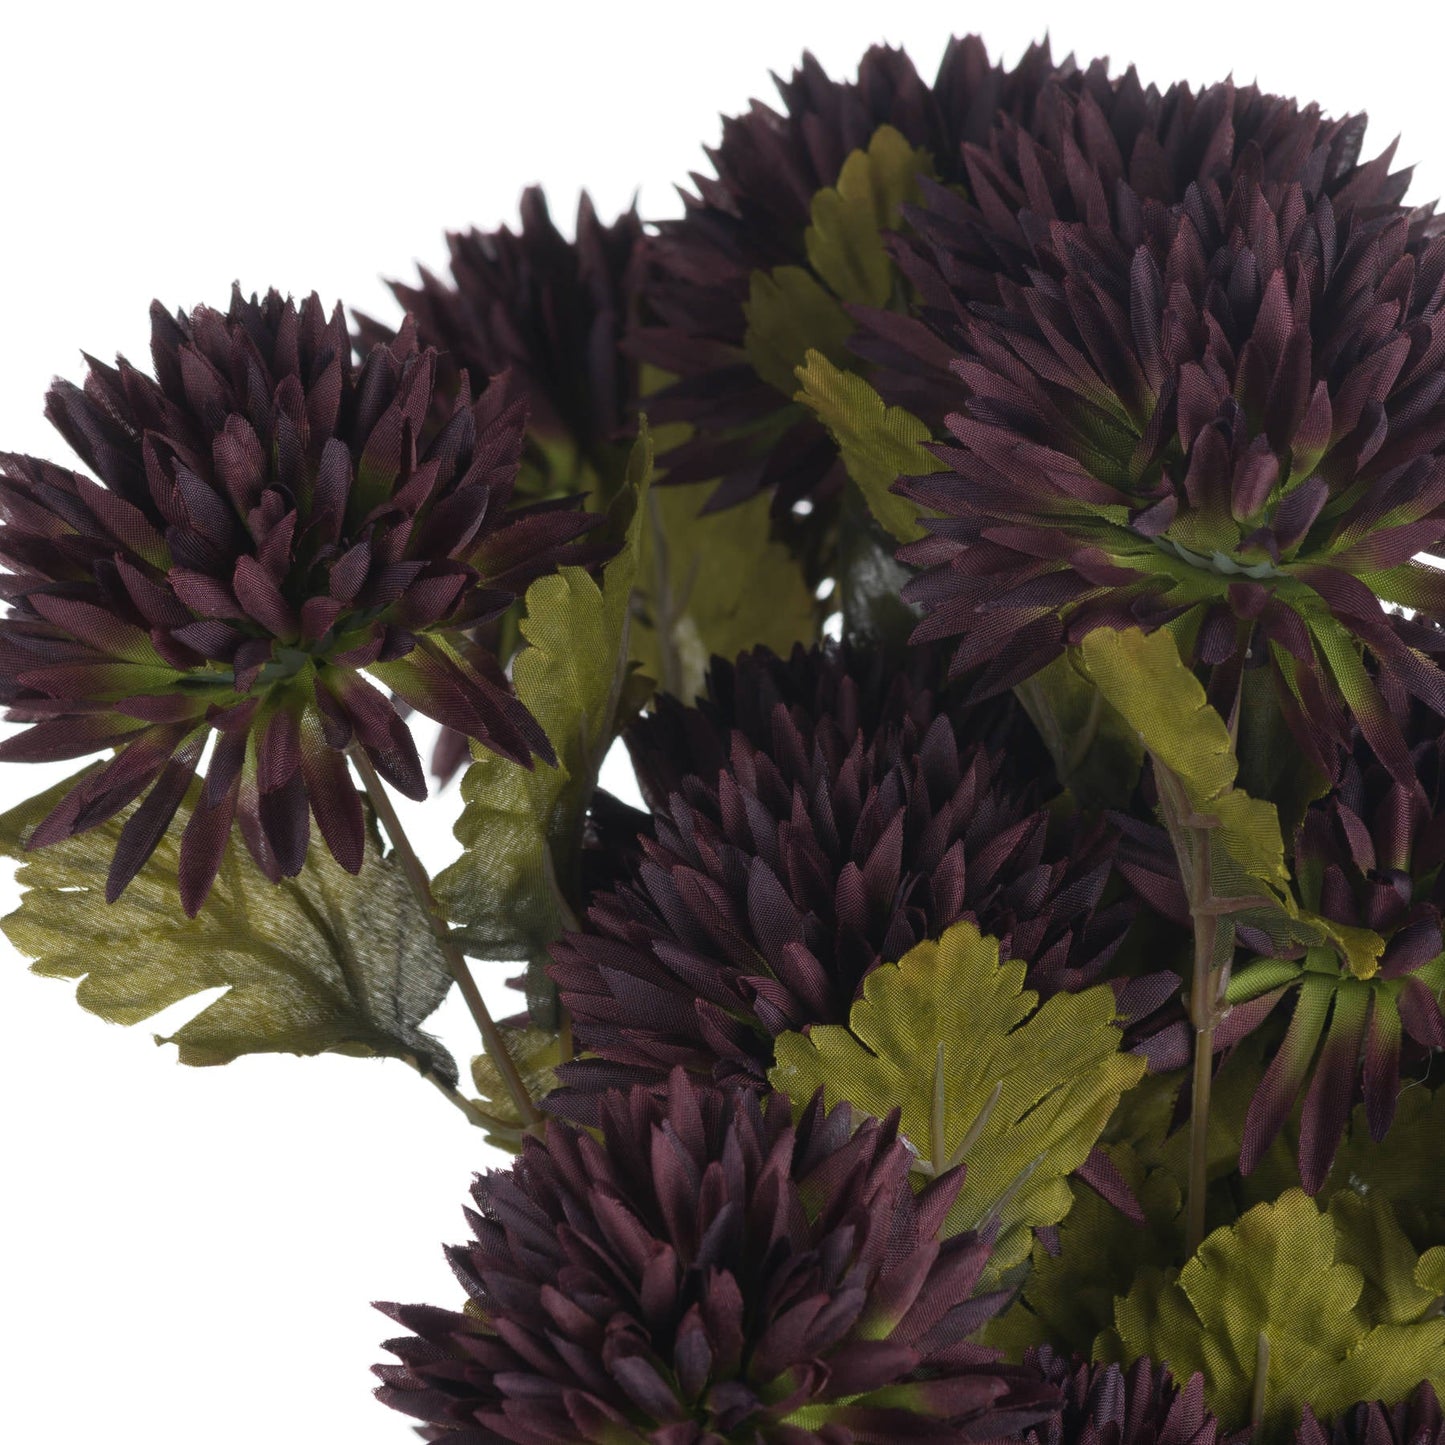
{"x": 813, "y": 818}
{"x": 747, "y": 227}
{"x": 708, "y": 1272}
{"x": 1225, "y": 417}
{"x": 1367, "y": 863}
{"x": 1140, "y": 1405}
{"x": 267, "y": 533}
{"x": 549, "y": 311}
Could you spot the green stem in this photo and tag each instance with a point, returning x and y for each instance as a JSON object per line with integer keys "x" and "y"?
{"x": 1079, "y": 750}
{"x": 455, "y": 1097}
{"x": 1191, "y": 844}
{"x": 1202, "y": 1001}
{"x": 1258, "y": 1396}
{"x": 663, "y": 602}
{"x": 416, "y": 875}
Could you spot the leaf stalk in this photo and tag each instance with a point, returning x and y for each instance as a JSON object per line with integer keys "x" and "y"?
{"x": 420, "y": 881}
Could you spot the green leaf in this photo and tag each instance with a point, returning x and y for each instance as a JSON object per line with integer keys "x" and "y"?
{"x": 323, "y": 962}
{"x": 1282, "y": 1273}
{"x": 789, "y": 313}
{"x": 1068, "y": 1294}
{"x": 1229, "y": 846}
{"x": 1370, "y": 1238}
{"x": 982, "y": 1074}
{"x": 536, "y": 1053}
{"x": 714, "y": 584}
{"x": 845, "y": 242}
{"x": 1271, "y": 764}
{"x": 1068, "y": 1297}
{"x": 1407, "y": 1167}
{"x": 879, "y": 443}
{"x": 515, "y": 887}
{"x": 1096, "y": 753}
{"x": 1144, "y": 678}
{"x": 791, "y": 309}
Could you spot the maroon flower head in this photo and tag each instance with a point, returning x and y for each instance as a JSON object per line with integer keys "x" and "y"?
{"x": 552, "y": 312}
{"x": 1107, "y": 1405}
{"x": 785, "y": 863}
{"x": 266, "y": 528}
{"x": 1090, "y": 145}
{"x": 1368, "y": 857}
{"x": 752, "y": 217}
{"x": 1226, "y": 415}
{"x": 1416, "y": 1421}
{"x": 708, "y": 1273}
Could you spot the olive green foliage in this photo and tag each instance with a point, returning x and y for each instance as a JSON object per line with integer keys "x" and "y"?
{"x": 1284, "y": 1287}
{"x": 713, "y": 584}
{"x": 323, "y": 962}
{"x": 514, "y": 888}
{"x": 845, "y": 242}
{"x": 1407, "y": 1167}
{"x": 1143, "y": 677}
{"x": 878, "y": 443}
{"x": 794, "y": 309}
{"x": 1068, "y": 1292}
{"x": 536, "y": 1053}
{"x": 982, "y": 1075}
{"x": 1096, "y": 753}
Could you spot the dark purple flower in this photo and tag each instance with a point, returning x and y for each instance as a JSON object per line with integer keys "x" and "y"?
{"x": 1416, "y": 1421}
{"x": 266, "y": 530}
{"x": 1091, "y": 146}
{"x": 1225, "y": 415}
{"x": 812, "y": 818}
{"x": 552, "y": 313}
{"x": 708, "y": 1273}
{"x": 751, "y": 217}
{"x": 1107, "y": 1405}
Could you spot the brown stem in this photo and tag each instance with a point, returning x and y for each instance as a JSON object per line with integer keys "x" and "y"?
{"x": 416, "y": 875}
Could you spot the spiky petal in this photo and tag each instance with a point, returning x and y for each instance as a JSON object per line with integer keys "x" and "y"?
{"x": 1091, "y": 145}
{"x": 708, "y": 1273}
{"x": 266, "y": 531}
{"x": 552, "y": 313}
{"x": 1226, "y": 415}
{"x": 1416, "y": 1421}
{"x": 1367, "y": 860}
{"x": 1107, "y": 1405}
{"x": 798, "y": 844}
{"x": 751, "y": 217}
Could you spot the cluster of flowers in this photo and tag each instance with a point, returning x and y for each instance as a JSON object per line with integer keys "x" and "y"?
{"x": 1181, "y": 355}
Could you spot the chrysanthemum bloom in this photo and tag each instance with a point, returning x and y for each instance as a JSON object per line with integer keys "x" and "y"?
{"x": 1107, "y": 1405}
{"x": 552, "y": 313}
{"x": 1226, "y": 416}
{"x": 1085, "y": 136}
{"x": 1368, "y": 857}
{"x": 266, "y": 530}
{"x": 774, "y": 884}
{"x": 1416, "y": 1421}
{"x": 752, "y": 218}
{"x": 708, "y": 1274}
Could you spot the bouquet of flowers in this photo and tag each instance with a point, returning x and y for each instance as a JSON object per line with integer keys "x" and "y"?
{"x": 996, "y": 518}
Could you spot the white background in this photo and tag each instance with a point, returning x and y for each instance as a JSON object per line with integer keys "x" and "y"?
{"x": 187, "y": 1255}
